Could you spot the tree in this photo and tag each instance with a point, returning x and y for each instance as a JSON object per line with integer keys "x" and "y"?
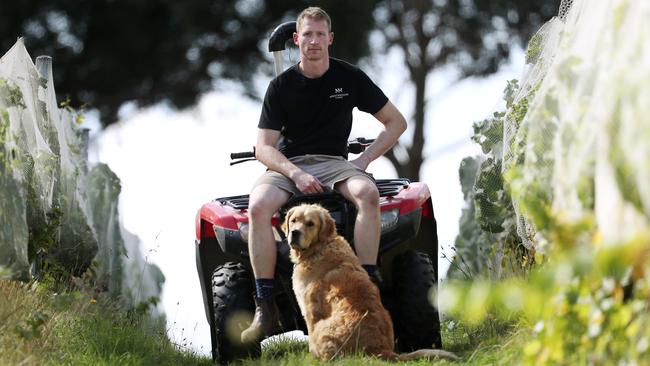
{"x": 473, "y": 35}
{"x": 108, "y": 52}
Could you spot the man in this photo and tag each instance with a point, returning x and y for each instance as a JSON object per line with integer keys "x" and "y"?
{"x": 308, "y": 110}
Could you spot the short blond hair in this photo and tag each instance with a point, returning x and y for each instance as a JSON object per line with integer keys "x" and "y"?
{"x": 316, "y": 13}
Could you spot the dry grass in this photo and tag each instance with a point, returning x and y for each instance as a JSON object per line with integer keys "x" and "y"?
{"x": 26, "y": 324}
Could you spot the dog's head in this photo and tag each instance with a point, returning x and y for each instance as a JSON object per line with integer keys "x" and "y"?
{"x": 306, "y": 225}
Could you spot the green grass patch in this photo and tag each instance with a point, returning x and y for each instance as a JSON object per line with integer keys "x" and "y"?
{"x": 495, "y": 341}
{"x": 40, "y": 327}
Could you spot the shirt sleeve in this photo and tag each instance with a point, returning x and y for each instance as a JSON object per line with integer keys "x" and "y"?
{"x": 272, "y": 116}
{"x": 371, "y": 98}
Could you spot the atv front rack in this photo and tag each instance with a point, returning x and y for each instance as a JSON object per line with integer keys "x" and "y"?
{"x": 386, "y": 187}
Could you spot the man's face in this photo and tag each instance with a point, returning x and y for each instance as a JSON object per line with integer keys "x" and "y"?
{"x": 313, "y": 39}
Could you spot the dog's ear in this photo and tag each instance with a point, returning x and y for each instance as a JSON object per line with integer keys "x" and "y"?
{"x": 328, "y": 226}
{"x": 285, "y": 224}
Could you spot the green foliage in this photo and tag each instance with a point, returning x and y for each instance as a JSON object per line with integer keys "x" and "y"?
{"x": 42, "y": 231}
{"x": 489, "y": 134}
{"x": 11, "y": 94}
{"x": 144, "y": 308}
{"x": 32, "y": 326}
{"x": 518, "y": 111}
{"x": 588, "y": 304}
{"x": 534, "y": 48}
{"x": 13, "y": 229}
{"x": 205, "y": 42}
{"x": 511, "y": 89}
{"x": 495, "y": 341}
{"x": 38, "y": 327}
{"x": 469, "y": 242}
{"x": 623, "y": 166}
{"x": 78, "y": 115}
{"x": 493, "y": 205}
{"x": 488, "y": 245}
{"x": 586, "y": 299}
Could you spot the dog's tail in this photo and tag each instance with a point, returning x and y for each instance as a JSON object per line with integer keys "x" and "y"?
{"x": 427, "y": 353}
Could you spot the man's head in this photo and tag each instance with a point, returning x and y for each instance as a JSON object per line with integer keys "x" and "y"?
{"x": 313, "y": 33}
{"x": 314, "y": 13}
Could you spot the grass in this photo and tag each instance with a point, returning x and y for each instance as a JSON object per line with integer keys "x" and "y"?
{"x": 494, "y": 342}
{"x": 42, "y": 327}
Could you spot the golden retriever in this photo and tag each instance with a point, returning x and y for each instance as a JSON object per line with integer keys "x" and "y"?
{"x": 341, "y": 306}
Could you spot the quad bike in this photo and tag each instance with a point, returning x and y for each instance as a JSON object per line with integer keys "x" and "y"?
{"x": 407, "y": 260}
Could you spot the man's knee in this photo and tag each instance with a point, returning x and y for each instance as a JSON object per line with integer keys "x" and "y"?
{"x": 257, "y": 209}
{"x": 263, "y": 203}
{"x": 367, "y": 195}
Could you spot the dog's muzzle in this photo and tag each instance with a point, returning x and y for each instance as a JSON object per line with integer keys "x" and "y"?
{"x": 294, "y": 239}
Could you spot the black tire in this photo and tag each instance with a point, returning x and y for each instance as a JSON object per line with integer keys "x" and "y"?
{"x": 232, "y": 293}
{"x": 416, "y": 320}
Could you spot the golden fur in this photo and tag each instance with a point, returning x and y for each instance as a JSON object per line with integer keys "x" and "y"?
{"x": 341, "y": 306}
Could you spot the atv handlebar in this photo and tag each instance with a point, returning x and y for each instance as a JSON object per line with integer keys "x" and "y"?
{"x": 243, "y": 155}
{"x": 359, "y": 145}
{"x": 356, "y": 146}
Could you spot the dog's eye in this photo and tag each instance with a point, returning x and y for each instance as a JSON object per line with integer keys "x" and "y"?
{"x": 310, "y": 223}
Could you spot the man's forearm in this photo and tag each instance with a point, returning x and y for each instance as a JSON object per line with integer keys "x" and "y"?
{"x": 384, "y": 142}
{"x": 394, "y": 126}
{"x": 276, "y": 161}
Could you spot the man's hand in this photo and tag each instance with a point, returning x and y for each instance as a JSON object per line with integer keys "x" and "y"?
{"x": 307, "y": 183}
{"x": 361, "y": 162}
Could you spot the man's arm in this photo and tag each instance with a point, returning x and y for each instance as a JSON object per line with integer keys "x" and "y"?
{"x": 394, "y": 125}
{"x": 268, "y": 154}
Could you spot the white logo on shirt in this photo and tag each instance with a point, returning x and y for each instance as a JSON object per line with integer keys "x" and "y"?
{"x": 338, "y": 93}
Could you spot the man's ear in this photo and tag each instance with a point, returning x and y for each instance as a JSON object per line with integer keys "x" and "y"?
{"x": 295, "y": 38}
{"x": 328, "y": 226}
{"x": 331, "y": 38}
{"x": 285, "y": 224}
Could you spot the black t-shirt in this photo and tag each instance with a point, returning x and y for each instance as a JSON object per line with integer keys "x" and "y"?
{"x": 314, "y": 116}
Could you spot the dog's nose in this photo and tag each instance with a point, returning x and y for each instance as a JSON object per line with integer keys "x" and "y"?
{"x": 294, "y": 238}
{"x": 295, "y": 235}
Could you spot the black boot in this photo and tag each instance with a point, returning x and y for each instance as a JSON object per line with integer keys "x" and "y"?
{"x": 265, "y": 323}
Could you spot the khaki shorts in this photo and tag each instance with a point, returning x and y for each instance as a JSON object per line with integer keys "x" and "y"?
{"x": 328, "y": 169}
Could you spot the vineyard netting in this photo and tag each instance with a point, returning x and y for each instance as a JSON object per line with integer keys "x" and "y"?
{"x": 556, "y": 234}
{"x": 57, "y": 214}
{"x": 572, "y": 146}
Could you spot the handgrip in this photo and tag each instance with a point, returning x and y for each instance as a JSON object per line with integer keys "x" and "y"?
{"x": 242, "y": 155}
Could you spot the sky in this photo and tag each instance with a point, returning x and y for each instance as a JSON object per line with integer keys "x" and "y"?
{"x": 172, "y": 162}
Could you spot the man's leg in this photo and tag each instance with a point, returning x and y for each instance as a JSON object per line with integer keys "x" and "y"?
{"x": 367, "y": 230}
{"x": 264, "y": 202}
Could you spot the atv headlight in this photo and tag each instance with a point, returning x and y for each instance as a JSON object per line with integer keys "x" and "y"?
{"x": 389, "y": 219}
{"x": 243, "y": 231}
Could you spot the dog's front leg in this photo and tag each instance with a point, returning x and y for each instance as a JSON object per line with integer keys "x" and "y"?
{"x": 317, "y": 307}
{"x": 299, "y": 291}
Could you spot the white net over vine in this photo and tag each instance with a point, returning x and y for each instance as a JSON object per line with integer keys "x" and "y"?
{"x": 577, "y": 135}
{"x": 52, "y": 208}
